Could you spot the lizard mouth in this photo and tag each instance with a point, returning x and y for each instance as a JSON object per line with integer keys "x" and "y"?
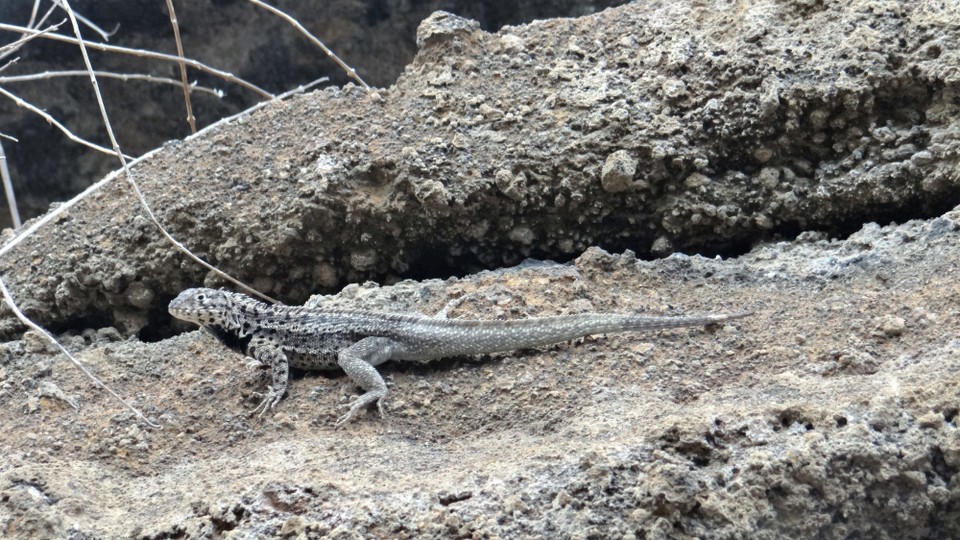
{"x": 177, "y": 305}
{"x": 185, "y": 305}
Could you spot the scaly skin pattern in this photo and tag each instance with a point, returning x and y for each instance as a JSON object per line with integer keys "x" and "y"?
{"x": 357, "y": 341}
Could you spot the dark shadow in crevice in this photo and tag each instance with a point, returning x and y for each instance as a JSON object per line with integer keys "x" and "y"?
{"x": 161, "y": 324}
{"x": 77, "y": 325}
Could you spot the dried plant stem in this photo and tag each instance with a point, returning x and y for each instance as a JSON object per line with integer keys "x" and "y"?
{"x": 108, "y": 75}
{"x": 23, "y": 318}
{"x": 183, "y": 68}
{"x": 10, "y": 48}
{"x": 144, "y": 54}
{"x": 55, "y": 123}
{"x": 33, "y": 13}
{"x": 104, "y": 35}
{"x": 8, "y": 189}
{"x": 352, "y": 73}
{"x": 10, "y": 63}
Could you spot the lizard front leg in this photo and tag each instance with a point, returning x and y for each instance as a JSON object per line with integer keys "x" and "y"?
{"x": 358, "y": 360}
{"x": 270, "y": 353}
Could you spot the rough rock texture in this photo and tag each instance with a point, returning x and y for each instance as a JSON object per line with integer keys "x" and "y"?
{"x": 376, "y": 37}
{"x": 494, "y": 147}
{"x": 830, "y": 413}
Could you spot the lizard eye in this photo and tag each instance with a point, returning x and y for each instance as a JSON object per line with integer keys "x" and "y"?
{"x": 201, "y": 297}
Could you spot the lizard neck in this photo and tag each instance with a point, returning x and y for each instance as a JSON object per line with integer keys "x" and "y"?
{"x": 232, "y": 339}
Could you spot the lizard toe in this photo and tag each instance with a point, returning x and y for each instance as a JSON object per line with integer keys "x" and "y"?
{"x": 381, "y": 409}
{"x": 270, "y": 400}
{"x": 346, "y": 417}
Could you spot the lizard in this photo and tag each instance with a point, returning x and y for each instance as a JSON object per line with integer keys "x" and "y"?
{"x": 357, "y": 341}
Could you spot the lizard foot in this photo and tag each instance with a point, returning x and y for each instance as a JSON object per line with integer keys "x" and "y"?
{"x": 253, "y": 363}
{"x": 270, "y": 400}
{"x": 358, "y": 404}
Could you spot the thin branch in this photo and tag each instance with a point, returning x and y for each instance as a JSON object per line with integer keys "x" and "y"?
{"x": 352, "y": 73}
{"x": 12, "y": 61}
{"x": 43, "y": 20}
{"x": 103, "y": 47}
{"x": 298, "y": 90}
{"x": 129, "y": 174}
{"x": 107, "y": 75}
{"x": 103, "y": 33}
{"x": 11, "y": 48}
{"x": 23, "y": 318}
{"x": 183, "y": 68}
{"x": 33, "y": 16}
{"x": 33, "y": 13}
{"x": 8, "y": 189}
{"x": 53, "y": 121}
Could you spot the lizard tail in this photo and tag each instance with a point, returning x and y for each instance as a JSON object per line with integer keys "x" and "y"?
{"x": 481, "y": 337}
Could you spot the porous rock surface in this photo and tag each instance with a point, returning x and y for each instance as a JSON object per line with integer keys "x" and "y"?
{"x": 653, "y": 127}
{"x": 831, "y": 412}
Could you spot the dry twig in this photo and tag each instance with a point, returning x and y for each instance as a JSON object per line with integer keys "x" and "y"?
{"x": 144, "y": 54}
{"x": 107, "y": 75}
{"x": 104, "y": 35}
{"x": 183, "y": 68}
{"x": 11, "y": 48}
{"x": 53, "y": 121}
{"x": 33, "y": 19}
{"x": 296, "y": 24}
{"x": 8, "y": 189}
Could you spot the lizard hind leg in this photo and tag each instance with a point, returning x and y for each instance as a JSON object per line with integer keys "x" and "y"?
{"x": 358, "y": 361}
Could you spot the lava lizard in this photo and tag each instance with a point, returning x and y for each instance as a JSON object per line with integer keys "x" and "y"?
{"x": 356, "y": 341}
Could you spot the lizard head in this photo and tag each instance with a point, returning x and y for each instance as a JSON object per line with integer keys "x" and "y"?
{"x": 207, "y": 307}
